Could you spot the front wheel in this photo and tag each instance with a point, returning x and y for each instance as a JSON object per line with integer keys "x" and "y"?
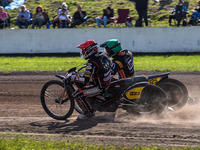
{"x": 55, "y": 101}
{"x": 176, "y": 91}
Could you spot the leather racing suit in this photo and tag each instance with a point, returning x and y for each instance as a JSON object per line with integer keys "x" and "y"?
{"x": 122, "y": 64}
{"x": 97, "y": 73}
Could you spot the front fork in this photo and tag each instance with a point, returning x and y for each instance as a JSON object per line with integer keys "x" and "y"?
{"x": 65, "y": 89}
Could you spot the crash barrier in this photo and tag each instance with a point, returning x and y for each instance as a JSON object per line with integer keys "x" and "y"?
{"x": 140, "y": 40}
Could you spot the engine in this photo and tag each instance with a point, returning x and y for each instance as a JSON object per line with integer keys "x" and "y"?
{"x": 103, "y": 104}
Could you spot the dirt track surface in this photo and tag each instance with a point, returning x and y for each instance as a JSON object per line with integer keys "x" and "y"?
{"x": 21, "y": 112}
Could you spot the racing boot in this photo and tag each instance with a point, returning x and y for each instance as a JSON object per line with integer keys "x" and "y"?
{"x": 85, "y": 116}
{"x": 87, "y": 109}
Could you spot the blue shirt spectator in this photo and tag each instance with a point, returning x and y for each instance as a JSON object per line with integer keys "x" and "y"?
{"x": 23, "y": 17}
{"x": 184, "y": 12}
{"x": 184, "y": 9}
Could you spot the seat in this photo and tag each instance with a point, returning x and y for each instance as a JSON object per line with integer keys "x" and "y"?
{"x": 123, "y": 16}
{"x": 186, "y": 3}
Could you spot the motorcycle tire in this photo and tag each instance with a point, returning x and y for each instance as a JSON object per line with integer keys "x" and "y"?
{"x": 152, "y": 101}
{"x": 78, "y": 109}
{"x": 176, "y": 91}
{"x": 50, "y": 98}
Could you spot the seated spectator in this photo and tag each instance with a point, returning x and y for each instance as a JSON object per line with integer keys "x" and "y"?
{"x": 184, "y": 12}
{"x": 64, "y": 5}
{"x": 78, "y": 17}
{"x": 195, "y": 15}
{"x": 40, "y": 18}
{"x": 107, "y": 15}
{"x": 23, "y": 17}
{"x": 63, "y": 19}
{"x": 3, "y": 16}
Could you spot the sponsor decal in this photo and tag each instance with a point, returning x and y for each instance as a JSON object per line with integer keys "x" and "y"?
{"x": 134, "y": 93}
{"x": 154, "y": 80}
{"x": 89, "y": 67}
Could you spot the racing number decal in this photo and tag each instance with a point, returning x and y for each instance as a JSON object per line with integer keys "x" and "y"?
{"x": 154, "y": 81}
{"x": 134, "y": 93}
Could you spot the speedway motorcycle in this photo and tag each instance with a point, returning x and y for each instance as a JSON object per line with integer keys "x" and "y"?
{"x": 135, "y": 95}
{"x": 176, "y": 91}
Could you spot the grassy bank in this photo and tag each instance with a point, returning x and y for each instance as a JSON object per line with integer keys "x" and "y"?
{"x": 142, "y": 63}
{"x": 158, "y": 12}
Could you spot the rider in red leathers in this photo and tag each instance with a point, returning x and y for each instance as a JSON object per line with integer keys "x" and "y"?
{"x": 98, "y": 72}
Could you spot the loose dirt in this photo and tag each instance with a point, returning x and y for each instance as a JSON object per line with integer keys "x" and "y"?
{"x": 21, "y": 112}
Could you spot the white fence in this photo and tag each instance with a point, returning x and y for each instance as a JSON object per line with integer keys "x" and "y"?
{"x": 144, "y": 40}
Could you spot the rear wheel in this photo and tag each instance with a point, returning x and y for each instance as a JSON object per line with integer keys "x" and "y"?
{"x": 152, "y": 101}
{"x": 55, "y": 100}
{"x": 176, "y": 91}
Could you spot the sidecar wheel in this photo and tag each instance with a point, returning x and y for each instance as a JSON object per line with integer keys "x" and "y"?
{"x": 50, "y": 96}
{"x": 152, "y": 100}
{"x": 176, "y": 91}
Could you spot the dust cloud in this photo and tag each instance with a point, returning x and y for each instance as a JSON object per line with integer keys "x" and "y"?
{"x": 189, "y": 114}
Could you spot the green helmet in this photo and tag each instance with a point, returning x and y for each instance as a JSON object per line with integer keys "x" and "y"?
{"x": 113, "y": 46}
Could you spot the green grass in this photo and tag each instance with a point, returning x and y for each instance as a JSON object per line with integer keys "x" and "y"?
{"x": 159, "y": 13}
{"x": 142, "y": 63}
{"x": 27, "y": 142}
{"x": 168, "y": 63}
{"x": 39, "y": 63}
{"x": 19, "y": 142}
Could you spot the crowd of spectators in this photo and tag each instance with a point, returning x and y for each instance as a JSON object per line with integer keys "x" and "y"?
{"x": 64, "y": 20}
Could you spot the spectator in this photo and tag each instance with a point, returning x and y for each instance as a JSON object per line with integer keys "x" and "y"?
{"x": 23, "y": 17}
{"x": 142, "y": 8}
{"x": 63, "y": 19}
{"x": 107, "y": 15}
{"x": 78, "y": 17}
{"x": 64, "y": 5}
{"x": 3, "y": 16}
{"x": 195, "y": 15}
{"x": 184, "y": 12}
{"x": 40, "y": 17}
